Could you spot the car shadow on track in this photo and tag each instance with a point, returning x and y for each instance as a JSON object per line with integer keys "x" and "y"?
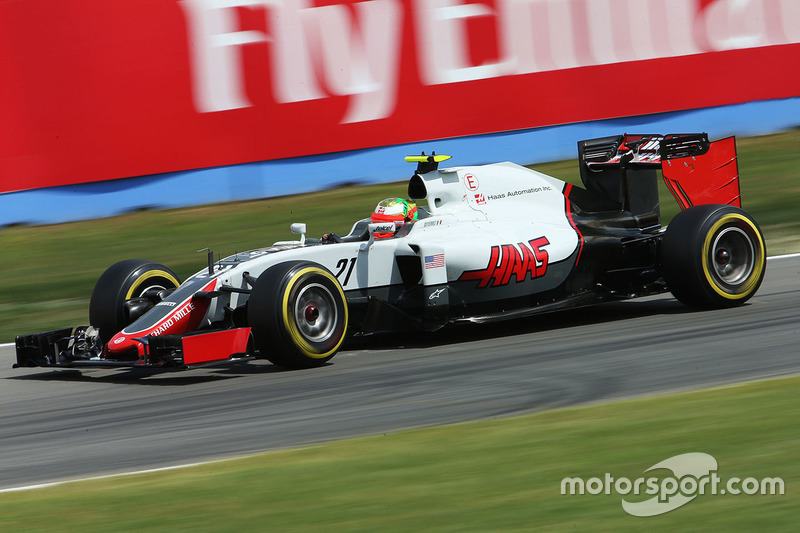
{"x": 551, "y": 321}
{"x": 454, "y": 334}
{"x": 176, "y": 377}
{"x": 145, "y": 377}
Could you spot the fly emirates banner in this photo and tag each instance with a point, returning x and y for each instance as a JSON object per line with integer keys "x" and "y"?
{"x": 94, "y": 90}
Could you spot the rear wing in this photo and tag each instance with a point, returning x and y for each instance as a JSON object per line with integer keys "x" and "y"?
{"x": 695, "y": 170}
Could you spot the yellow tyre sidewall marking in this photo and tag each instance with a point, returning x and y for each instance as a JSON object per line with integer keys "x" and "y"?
{"x": 147, "y": 275}
{"x": 758, "y": 259}
{"x": 290, "y": 324}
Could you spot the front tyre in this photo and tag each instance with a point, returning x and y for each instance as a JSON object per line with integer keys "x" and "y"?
{"x": 123, "y": 283}
{"x": 298, "y": 314}
{"x": 713, "y": 256}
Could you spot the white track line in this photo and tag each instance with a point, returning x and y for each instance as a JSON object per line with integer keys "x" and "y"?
{"x": 785, "y": 256}
{"x": 107, "y": 476}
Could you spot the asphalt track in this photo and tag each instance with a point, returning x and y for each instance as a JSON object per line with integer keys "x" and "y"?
{"x": 58, "y": 425}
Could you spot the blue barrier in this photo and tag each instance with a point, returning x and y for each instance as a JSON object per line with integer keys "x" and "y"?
{"x": 375, "y": 165}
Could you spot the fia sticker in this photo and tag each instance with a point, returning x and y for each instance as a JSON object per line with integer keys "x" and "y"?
{"x": 471, "y": 181}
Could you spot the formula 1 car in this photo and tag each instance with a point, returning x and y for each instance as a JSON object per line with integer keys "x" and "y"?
{"x": 494, "y": 242}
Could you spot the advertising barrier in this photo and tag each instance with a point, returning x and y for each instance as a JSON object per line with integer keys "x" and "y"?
{"x": 96, "y": 90}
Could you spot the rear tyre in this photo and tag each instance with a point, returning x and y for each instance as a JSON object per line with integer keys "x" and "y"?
{"x": 713, "y": 256}
{"x": 127, "y": 281}
{"x": 298, "y": 314}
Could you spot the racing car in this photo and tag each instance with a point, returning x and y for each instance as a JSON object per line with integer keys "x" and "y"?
{"x": 488, "y": 243}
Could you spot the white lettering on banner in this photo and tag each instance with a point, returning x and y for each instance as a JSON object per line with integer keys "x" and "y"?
{"x": 292, "y": 66}
{"x": 359, "y": 60}
{"x": 365, "y": 65}
{"x": 443, "y": 51}
{"x": 356, "y": 48}
{"x": 543, "y": 35}
{"x": 788, "y": 15}
{"x": 736, "y": 24}
{"x": 217, "y": 77}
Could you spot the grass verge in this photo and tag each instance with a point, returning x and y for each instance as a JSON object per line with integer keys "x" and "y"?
{"x": 494, "y": 475}
{"x": 49, "y": 271}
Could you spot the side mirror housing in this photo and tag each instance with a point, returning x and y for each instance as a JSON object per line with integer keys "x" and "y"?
{"x": 299, "y": 228}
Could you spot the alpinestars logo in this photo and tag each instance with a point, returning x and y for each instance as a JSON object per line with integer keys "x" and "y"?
{"x": 508, "y": 260}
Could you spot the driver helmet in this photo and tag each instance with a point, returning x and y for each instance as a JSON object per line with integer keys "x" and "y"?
{"x": 393, "y": 210}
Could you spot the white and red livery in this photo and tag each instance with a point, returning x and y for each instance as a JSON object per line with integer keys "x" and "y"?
{"x": 492, "y": 242}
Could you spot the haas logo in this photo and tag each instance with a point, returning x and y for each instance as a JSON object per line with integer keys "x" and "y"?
{"x": 506, "y": 261}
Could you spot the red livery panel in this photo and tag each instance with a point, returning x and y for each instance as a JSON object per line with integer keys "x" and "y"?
{"x": 506, "y": 261}
{"x": 215, "y": 346}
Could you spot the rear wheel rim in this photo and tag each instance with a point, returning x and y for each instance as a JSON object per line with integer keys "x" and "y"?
{"x": 732, "y": 257}
{"x": 315, "y": 313}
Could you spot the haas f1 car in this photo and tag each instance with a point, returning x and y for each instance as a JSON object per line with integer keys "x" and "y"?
{"x": 489, "y": 242}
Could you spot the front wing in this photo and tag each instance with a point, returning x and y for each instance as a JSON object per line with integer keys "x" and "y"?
{"x": 59, "y": 348}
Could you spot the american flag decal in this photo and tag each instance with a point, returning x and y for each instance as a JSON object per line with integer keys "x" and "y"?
{"x": 434, "y": 261}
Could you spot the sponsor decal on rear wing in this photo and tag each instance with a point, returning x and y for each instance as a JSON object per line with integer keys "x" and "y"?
{"x": 647, "y": 150}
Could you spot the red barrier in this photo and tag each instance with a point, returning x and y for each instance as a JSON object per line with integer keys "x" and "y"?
{"x": 102, "y": 89}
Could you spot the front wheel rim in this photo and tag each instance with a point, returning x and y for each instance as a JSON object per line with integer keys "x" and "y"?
{"x": 315, "y": 313}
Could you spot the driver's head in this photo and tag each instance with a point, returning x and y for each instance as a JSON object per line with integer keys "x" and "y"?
{"x": 393, "y": 210}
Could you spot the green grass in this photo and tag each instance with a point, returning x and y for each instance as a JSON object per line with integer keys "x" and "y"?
{"x": 494, "y": 475}
{"x": 49, "y": 271}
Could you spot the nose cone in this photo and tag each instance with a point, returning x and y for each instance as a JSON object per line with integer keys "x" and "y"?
{"x": 123, "y": 344}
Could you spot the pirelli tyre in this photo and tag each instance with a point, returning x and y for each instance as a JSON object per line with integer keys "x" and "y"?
{"x": 298, "y": 314}
{"x": 125, "y": 291}
{"x": 713, "y": 256}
